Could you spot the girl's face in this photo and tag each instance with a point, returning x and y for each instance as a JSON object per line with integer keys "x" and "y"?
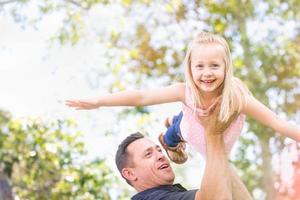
{"x": 208, "y": 67}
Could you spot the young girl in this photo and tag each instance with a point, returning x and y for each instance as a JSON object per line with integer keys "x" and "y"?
{"x": 209, "y": 81}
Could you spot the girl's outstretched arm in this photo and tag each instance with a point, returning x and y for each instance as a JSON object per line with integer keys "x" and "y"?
{"x": 172, "y": 93}
{"x": 264, "y": 115}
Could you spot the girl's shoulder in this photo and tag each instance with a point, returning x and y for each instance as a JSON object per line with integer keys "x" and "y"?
{"x": 241, "y": 86}
{"x": 238, "y": 81}
{"x": 241, "y": 93}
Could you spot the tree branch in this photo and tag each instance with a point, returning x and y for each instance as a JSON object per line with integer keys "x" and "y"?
{"x": 2, "y": 3}
{"x": 76, "y": 4}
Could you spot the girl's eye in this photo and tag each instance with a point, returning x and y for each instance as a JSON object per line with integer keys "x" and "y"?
{"x": 215, "y": 65}
{"x": 199, "y": 66}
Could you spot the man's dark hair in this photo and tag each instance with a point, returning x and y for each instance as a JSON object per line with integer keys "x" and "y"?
{"x": 122, "y": 157}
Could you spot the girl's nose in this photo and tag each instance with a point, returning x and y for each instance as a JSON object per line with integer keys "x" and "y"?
{"x": 207, "y": 72}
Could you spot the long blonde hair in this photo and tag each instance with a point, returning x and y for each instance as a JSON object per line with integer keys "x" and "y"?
{"x": 233, "y": 92}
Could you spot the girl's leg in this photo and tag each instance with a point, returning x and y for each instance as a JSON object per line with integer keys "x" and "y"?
{"x": 172, "y": 137}
{"x": 172, "y": 141}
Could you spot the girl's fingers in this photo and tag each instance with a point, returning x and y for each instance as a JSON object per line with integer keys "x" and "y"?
{"x": 71, "y": 103}
{"x": 80, "y": 104}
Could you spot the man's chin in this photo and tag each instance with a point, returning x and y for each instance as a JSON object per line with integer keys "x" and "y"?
{"x": 170, "y": 180}
{"x": 167, "y": 177}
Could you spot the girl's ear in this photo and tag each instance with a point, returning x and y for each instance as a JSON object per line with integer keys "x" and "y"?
{"x": 128, "y": 173}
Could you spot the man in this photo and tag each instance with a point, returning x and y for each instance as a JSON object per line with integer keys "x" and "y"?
{"x": 143, "y": 165}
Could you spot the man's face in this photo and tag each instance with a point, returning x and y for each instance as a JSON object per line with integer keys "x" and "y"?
{"x": 149, "y": 166}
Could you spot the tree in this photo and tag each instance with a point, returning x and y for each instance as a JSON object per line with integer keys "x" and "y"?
{"x": 44, "y": 160}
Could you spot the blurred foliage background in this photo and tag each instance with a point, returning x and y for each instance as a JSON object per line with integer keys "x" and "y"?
{"x": 145, "y": 43}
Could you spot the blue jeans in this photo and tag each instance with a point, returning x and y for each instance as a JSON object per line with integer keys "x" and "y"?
{"x": 173, "y": 137}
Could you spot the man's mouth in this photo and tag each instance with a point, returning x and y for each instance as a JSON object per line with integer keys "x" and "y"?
{"x": 164, "y": 166}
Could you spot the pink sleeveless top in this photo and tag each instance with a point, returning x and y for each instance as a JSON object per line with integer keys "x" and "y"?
{"x": 193, "y": 131}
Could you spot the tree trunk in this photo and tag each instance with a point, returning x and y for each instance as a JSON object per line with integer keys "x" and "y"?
{"x": 268, "y": 175}
{"x": 267, "y": 172}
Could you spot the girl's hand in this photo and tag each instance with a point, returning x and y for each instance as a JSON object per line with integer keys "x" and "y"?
{"x": 87, "y": 104}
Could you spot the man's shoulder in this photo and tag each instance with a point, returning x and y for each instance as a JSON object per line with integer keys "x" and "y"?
{"x": 166, "y": 192}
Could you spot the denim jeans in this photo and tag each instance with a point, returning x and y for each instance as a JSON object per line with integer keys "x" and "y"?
{"x": 172, "y": 137}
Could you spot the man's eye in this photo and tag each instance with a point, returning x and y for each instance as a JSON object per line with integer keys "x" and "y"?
{"x": 148, "y": 154}
{"x": 199, "y": 66}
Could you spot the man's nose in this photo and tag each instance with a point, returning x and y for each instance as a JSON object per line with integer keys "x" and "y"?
{"x": 160, "y": 155}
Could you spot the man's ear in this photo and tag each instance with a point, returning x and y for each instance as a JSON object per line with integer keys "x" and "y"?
{"x": 129, "y": 174}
